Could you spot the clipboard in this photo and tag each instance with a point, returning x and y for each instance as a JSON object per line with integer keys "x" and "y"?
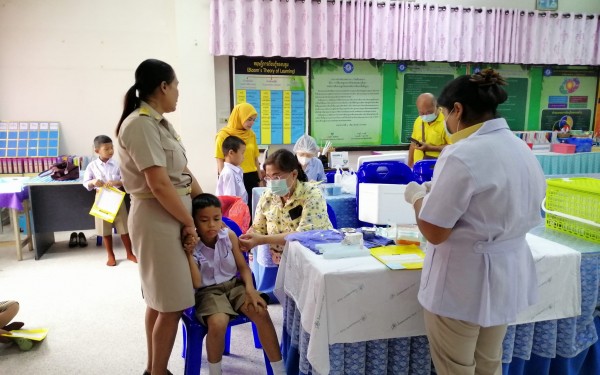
{"x": 37, "y": 334}
{"x": 107, "y": 203}
{"x": 400, "y": 257}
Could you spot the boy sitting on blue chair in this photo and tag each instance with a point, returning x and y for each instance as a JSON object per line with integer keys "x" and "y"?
{"x": 214, "y": 264}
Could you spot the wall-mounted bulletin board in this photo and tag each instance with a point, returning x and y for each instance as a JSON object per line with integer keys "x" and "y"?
{"x": 521, "y": 107}
{"x": 277, "y": 88}
{"x": 347, "y": 102}
{"x": 29, "y": 139}
{"x": 568, "y": 97}
{"x": 413, "y": 79}
{"x": 370, "y": 103}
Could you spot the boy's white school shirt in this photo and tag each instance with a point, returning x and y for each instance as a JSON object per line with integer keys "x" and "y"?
{"x": 104, "y": 171}
{"x": 216, "y": 265}
{"x": 231, "y": 182}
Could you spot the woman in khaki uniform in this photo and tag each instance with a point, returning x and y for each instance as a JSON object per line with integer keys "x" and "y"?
{"x": 155, "y": 173}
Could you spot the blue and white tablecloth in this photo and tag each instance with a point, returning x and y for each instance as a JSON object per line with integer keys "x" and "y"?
{"x": 582, "y": 162}
{"x": 311, "y": 314}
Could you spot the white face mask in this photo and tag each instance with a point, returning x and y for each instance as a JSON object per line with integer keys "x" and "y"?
{"x": 303, "y": 160}
{"x": 430, "y": 117}
{"x": 446, "y": 124}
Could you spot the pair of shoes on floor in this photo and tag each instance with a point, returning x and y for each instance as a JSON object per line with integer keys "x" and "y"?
{"x": 148, "y": 372}
{"x": 77, "y": 240}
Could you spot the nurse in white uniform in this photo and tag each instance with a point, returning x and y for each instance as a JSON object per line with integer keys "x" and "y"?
{"x": 484, "y": 197}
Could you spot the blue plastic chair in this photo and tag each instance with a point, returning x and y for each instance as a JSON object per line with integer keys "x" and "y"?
{"x": 423, "y": 170}
{"x": 332, "y": 218}
{"x": 194, "y": 331}
{"x": 382, "y": 172}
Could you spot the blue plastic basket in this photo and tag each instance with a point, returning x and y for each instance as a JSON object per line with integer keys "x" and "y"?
{"x": 423, "y": 170}
{"x": 581, "y": 144}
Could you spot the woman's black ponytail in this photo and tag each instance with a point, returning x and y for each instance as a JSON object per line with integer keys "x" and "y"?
{"x": 130, "y": 103}
{"x": 149, "y": 75}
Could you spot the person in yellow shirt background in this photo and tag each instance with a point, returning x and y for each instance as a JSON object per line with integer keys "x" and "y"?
{"x": 240, "y": 125}
{"x": 429, "y": 135}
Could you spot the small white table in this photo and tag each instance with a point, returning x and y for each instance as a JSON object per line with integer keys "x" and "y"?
{"x": 14, "y": 196}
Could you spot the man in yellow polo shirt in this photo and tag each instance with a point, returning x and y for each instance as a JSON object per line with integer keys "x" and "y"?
{"x": 428, "y": 131}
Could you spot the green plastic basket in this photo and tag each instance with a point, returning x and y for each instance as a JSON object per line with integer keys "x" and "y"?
{"x": 572, "y": 206}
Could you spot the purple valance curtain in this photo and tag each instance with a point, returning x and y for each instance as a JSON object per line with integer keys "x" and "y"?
{"x": 395, "y": 30}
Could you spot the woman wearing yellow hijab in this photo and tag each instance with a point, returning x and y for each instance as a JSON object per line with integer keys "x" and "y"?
{"x": 240, "y": 124}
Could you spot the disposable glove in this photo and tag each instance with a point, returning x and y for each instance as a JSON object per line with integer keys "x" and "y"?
{"x": 414, "y": 192}
{"x": 427, "y": 185}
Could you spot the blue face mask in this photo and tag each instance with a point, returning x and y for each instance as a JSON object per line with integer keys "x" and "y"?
{"x": 278, "y": 187}
{"x": 430, "y": 117}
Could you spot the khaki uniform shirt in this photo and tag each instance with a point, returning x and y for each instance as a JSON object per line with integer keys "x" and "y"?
{"x": 147, "y": 139}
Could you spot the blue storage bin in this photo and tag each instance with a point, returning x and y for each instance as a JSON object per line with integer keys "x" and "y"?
{"x": 423, "y": 170}
{"x": 581, "y": 144}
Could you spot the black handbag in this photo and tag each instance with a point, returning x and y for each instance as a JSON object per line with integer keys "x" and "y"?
{"x": 63, "y": 171}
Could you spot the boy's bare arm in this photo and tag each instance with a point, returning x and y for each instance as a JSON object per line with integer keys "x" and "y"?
{"x": 252, "y": 296}
{"x": 188, "y": 247}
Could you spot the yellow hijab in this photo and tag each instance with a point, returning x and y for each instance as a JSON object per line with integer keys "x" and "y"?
{"x": 239, "y": 115}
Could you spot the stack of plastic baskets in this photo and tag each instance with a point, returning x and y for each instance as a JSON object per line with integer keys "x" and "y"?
{"x": 572, "y": 206}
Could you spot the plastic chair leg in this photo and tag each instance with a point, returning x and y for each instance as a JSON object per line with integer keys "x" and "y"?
{"x": 183, "y": 336}
{"x": 98, "y": 240}
{"x": 267, "y": 364}
{"x": 227, "y": 341}
{"x": 257, "y": 343}
{"x": 194, "y": 337}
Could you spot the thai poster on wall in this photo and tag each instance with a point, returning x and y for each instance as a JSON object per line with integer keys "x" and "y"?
{"x": 568, "y": 98}
{"x": 276, "y": 88}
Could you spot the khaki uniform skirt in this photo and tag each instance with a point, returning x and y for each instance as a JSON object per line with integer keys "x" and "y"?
{"x": 163, "y": 265}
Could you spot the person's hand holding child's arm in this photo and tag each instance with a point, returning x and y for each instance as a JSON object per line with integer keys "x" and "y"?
{"x": 189, "y": 244}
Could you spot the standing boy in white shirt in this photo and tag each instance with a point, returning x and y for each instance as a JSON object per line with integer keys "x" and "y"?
{"x": 105, "y": 171}
{"x": 231, "y": 179}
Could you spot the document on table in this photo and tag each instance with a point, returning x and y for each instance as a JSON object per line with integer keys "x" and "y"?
{"x": 400, "y": 257}
{"x": 107, "y": 204}
{"x": 37, "y": 334}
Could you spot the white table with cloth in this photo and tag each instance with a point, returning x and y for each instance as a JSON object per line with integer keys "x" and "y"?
{"x": 15, "y": 197}
{"x": 355, "y": 316}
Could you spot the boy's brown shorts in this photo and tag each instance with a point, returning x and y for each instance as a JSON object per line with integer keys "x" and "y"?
{"x": 226, "y": 297}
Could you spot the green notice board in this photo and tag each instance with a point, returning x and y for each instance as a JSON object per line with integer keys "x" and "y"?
{"x": 514, "y": 110}
{"x": 415, "y": 85}
{"x": 372, "y": 103}
{"x": 347, "y": 102}
{"x": 568, "y": 98}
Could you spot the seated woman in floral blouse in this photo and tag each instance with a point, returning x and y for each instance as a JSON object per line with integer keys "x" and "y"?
{"x": 290, "y": 204}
